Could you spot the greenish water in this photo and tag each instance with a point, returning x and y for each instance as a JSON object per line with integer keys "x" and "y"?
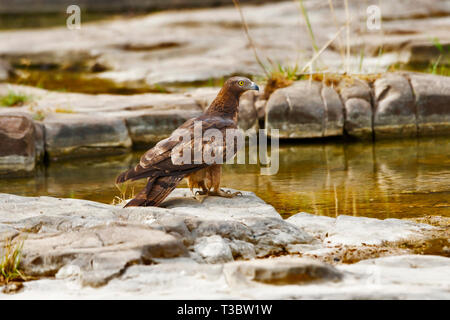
{"x": 401, "y": 179}
{"x": 47, "y": 20}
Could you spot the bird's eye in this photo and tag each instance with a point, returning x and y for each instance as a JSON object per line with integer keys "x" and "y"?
{"x": 241, "y": 83}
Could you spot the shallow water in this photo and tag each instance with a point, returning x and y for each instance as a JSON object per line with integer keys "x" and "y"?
{"x": 401, "y": 179}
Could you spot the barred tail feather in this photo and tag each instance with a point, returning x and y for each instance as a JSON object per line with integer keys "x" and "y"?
{"x": 156, "y": 190}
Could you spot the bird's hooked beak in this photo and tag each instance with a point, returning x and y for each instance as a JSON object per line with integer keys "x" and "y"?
{"x": 254, "y": 86}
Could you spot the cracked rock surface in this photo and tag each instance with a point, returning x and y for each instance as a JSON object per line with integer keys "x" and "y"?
{"x": 223, "y": 248}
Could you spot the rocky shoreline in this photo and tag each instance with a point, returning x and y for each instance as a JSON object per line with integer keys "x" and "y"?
{"x": 228, "y": 248}
{"x": 394, "y": 105}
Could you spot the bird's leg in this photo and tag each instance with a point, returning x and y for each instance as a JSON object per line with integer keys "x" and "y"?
{"x": 215, "y": 173}
{"x": 201, "y": 195}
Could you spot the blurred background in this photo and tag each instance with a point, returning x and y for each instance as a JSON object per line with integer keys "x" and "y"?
{"x": 187, "y": 49}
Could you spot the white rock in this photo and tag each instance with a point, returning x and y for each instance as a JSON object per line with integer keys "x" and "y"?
{"x": 349, "y": 230}
{"x": 213, "y": 249}
{"x": 314, "y": 224}
{"x": 396, "y": 278}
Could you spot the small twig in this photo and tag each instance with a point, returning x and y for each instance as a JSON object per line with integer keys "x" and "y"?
{"x": 250, "y": 40}
{"x": 347, "y": 23}
{"x": 308, "y": 65}
{"x": 341, "y": 49}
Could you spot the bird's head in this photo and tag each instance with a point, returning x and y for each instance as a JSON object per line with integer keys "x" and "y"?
{"x": 238, "y": 85}
{"x": 227, "y": 101}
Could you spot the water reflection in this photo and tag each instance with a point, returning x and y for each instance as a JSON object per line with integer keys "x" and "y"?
{"x": 407, "y": 178}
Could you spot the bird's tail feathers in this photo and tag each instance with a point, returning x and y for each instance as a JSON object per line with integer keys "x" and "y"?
{"x": 133, "y": 174}
{"x": 156, "y": 190}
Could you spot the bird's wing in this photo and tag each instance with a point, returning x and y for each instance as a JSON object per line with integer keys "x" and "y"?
{"x": 158, "y": 160}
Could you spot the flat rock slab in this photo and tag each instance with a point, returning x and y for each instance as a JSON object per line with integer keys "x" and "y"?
{"x": 100, "y": 241}
{"x": 357, "y": 231}
{"x": 400, "y": 277}
{"x": 75, "y": 136}
{"x": 98, "y": 253}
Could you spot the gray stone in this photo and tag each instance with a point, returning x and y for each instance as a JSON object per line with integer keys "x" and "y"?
{"x": 400, "y": 277}
{"x": 356, "y": 96}
{"x": 395, "y": 111}
{"x": 318, "y": 226}
{"x": 427, "y": 52}
{"x": 213, "y": 249}
{"x": 279, "y": 271}
{"x": 148, "y": 129}
{"x": 39, "y": 141}
{"x": 349, "y": 230}
{"x": 100, "y": 252}
{"x": 260, "y": 106}
{"x": 334, "y": 112}
{"x": 18, "y": 146}
{"x": 247, "y": 118}
{"x": 432, "y": 95}
{"x": 357, "y": 231}
{"x": 82, "y": 135}
{"x": 5, "y": 70}
{"x": 65, "y": 234}
{"x": 187, "y": 248}
{"x": 7, "y": 232}
{"x": 298, "y": 111}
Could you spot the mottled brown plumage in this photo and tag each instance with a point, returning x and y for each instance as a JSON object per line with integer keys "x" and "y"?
{"x": 156, "y": 164}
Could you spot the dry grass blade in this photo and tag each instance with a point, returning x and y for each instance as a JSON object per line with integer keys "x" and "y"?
{"x": 122, "y": 198}
{"x": 341, "y": 48}
{"x": 250, "y": 40}
{"x": 347, "y": 23}
{"x": 310, "y": 62}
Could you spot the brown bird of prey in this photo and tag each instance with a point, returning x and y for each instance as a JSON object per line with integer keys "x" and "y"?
{"x": 157, "y": 165}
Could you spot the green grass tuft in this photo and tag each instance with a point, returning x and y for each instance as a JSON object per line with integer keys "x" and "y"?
{"x": 14, "y": 99}
{"x": 10, "y": 262}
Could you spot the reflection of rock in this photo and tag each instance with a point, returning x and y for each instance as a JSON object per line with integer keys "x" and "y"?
{"x": 18, "y": 146}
